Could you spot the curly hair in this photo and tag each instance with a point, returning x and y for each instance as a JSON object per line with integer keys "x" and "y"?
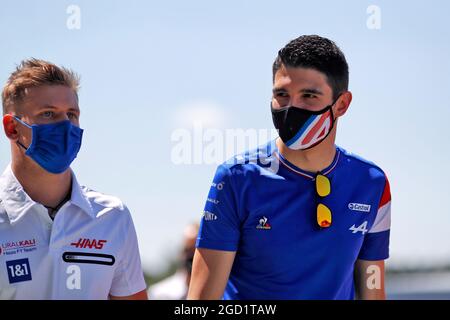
{"x": 318, "y": 53}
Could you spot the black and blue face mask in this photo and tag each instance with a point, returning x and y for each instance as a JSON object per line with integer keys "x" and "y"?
{"x": 302, "y": 129}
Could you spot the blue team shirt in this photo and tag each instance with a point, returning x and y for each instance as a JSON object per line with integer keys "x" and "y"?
{"x": 264, "y": 208}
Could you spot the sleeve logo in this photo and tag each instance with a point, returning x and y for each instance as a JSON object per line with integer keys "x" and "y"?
{"x": 209, "y": 216}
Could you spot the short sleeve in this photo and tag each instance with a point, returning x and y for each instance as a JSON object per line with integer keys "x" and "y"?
{"x": 220, "y": 224}
{"x": 128, "y": 276}
{"x": 376, "y": 241}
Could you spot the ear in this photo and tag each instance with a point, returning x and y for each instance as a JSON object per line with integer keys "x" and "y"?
{"x": 9, "y": 125}
{"x": 342, "y": 104}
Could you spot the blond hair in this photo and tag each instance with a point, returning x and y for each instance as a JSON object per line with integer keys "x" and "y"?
{"x": 34, "y": 73}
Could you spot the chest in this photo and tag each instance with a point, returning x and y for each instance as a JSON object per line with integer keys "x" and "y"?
{"x": 64, "y": 260}
{"x": 280, "y": 225}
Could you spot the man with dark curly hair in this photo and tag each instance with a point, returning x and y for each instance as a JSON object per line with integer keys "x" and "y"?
{"x": 300, "y": 217}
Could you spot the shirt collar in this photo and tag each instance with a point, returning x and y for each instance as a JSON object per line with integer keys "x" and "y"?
{"x": 79, "y": 198}
{"x": 304, "y": 173}
{"x": 17, "y": 202}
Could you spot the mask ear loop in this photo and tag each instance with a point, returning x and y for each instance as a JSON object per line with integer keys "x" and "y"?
{"x": 25, "y": 124}
{"x": 331, "y": 110}
{"x": 333, "y": 119}
{"x": 21, "y": 145}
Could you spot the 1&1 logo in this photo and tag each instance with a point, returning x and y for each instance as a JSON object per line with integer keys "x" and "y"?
{"x": 18, "y": 270}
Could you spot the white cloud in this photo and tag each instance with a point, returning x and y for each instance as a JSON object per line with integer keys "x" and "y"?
{"x": 206, "y": 113}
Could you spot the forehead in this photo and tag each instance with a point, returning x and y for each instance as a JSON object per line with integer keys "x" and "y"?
{"x": 51, "y": 95}
{"x": 301, "y": 78}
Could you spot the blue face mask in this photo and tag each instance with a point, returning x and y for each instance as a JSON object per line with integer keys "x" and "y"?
{"x": 53, "y": 146}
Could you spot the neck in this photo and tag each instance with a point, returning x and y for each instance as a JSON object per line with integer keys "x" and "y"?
{"x": 314, "y": 159}
{"x": 43, "y": 187}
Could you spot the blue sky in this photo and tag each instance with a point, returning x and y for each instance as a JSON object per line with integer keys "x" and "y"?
{"x": 149, "y": 68}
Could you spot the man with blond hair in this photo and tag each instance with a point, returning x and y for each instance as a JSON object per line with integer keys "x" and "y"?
{"x": 58, "y": 240}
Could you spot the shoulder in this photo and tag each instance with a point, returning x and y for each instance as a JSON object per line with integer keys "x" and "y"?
{"x": 368, "y": 175}
{"x": 260, "y": 160}
{"x": 368, "y": 169}
{"x": 104, "y": 204}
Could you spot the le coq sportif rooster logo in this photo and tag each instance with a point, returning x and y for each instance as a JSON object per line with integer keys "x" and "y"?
{"x": 263, "y": 224}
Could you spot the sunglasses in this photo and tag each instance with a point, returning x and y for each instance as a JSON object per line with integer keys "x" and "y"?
{"x": 323, "y": 189}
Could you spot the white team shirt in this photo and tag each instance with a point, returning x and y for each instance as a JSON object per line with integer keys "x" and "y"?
{"x": 89, "y": 251}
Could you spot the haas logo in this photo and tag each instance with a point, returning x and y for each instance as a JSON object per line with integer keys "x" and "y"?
{"x": 89, "y": 243}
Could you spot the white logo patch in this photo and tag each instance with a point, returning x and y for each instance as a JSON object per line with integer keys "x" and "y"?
{"x": 209, "y": 216}
{"x": 218, "y": 186}
{"x": 362, "y": 228}
{"x": 359, "y": 207}
{"x": 215, "y": 201}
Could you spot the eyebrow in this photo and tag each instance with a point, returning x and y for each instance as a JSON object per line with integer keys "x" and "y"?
{"x": 47, "y": 106}
{"x": 275, "y": 90}
{"x": 311, "y": 91}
